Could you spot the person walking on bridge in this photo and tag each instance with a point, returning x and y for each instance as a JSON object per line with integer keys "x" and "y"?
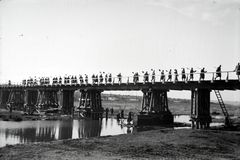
{"x": 153, "y": 75}
{"x": 183, "y": 74}
{"x": 169, "y": 75}
{"x": 176, "y": 75}
{"x": 134, "y": 77}
{"x": 93, "y": 79}
{"x": 119, "y": 78}
{"x": 237, "y": 70}
{"x": 191, "y": 74}
{"x": 86, "y": 79}
{"x": 162, "y": 78}
{"x": 100, "y": 78}
{"x": 202, "y": 74}
{"x": 80, "y": 79}
{"x": 60, "y": 80}
{"x": 106, "y": 78}
{"x": 145, "y": 76}
{"x": 218, "y": 73}
{"x": 110, "y": 78}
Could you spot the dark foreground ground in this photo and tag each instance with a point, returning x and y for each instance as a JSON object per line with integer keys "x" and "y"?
{"x": 155, "y": 144}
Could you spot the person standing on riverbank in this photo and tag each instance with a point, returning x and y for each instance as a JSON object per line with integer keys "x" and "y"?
{"x": 107, "y": 110}
{"x": 111, "y": 110}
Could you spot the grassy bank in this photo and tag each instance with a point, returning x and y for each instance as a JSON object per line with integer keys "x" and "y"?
{"x": 155, "y": 144}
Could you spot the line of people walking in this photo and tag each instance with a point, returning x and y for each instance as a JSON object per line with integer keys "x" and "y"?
{"x": 106, "y": 78}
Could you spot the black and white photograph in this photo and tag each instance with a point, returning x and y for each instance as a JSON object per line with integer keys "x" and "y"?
{"x": 119, "y": 79}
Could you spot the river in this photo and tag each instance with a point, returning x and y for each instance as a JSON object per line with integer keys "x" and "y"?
{"x": 43, "y": 131}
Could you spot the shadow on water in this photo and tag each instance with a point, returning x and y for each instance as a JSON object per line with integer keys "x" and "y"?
{"x": 44, "y": 131}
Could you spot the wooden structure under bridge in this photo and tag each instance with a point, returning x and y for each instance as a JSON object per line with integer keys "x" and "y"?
{"x": 154, "y": 103}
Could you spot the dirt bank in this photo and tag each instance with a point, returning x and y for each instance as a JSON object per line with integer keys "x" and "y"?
{"x": 155, "y": 144}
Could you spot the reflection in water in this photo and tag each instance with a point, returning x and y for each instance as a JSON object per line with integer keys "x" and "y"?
{"x": 43, "y": 131}
{"x": 186, "y": 119}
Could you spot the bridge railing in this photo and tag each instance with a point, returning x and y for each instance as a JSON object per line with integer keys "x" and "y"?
{"x": 225, "y": 75}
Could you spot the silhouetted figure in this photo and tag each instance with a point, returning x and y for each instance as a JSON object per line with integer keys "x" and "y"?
{"x": 218, "y": 72}
{"x": 183, "y": 74}
{"x": 162, "y": 78}
{"x": 153, "y": 75}
{"x": 202, "y": 74}
{"x": 96, "y": 79}
{"x": 176, "y": 75}
{"x": 110, "y": 78}
{"x": 106, "y": 79}
{"x": 135, "y": 77}
{"x": 101, "y": 78}
{"x": 118, "y": 117}
{"x": 93, "y": 79}
{"x": 119, "y": 78}
{"x": 107, "y": 110}
{"x": 60, "y": 80}
{"x": 237, "y": 70}
{"x": 191, "y": 74}
{"x": 146, "y": 77}
{"x": 169, "y": 75}
{"x": 129, "y": 119}
{"x": 122, "y": 113}
{"x": 81, "y": 79}
{"x": 111, "y": 110}
{"x": 86, "y": 79}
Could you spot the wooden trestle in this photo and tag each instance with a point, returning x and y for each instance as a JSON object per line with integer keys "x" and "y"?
{"x": 91, "y": 104}
{"x": 155, "y": 108}
{"x": 4, "y": 98}
{"x": 41, "y": 100}
{"x": 47, "y": 99}
{"x": 15, "y": 100}
{"x": 30, "y": 99}
{"x": 67, "y": 101}
{"x": 200, "y": 108}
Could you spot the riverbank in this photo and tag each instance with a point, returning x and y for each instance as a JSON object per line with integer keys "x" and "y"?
{"x": 154, "y": 144}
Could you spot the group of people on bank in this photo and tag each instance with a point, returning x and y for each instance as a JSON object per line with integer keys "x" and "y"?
{"x": 104, "y": 78}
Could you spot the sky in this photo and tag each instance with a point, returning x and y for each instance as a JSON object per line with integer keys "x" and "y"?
{"x": 58, "y": 37}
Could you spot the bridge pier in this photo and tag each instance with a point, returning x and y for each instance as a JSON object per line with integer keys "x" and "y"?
{"x": 200, "y": 108}
{"x": 90, "y": 104}
{"x": 67, "y": 101}
{"x": 47, "y": 99}
{"x": 30, "y": 101}
{"x": 155, "y": 109}
{"x": 16, "y": 100}
{"x": 4, "y": 94}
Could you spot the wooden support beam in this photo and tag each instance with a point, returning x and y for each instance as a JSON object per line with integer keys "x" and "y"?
{"x": 90, "y": 103}
{"x": 47, "y": 99}
{"x": 4, "y": 94}
{"x": 68, "y": 101}
{"x": 16, "y": 100}
{"x": 200, "y": 108}
{"x": 30, "y": 101}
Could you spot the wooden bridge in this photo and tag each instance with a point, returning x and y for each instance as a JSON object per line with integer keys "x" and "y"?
{"x": 155, "y": 108}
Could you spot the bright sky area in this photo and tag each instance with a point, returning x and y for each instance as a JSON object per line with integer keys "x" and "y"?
{"x": 58, "y": 37}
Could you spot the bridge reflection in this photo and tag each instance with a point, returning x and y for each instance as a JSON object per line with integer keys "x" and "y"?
{"x": 43, "y": 131}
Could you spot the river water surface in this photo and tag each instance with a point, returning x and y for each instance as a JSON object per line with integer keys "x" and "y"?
{"x": 44, "y": 131}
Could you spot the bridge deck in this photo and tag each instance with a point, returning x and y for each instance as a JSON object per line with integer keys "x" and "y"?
{"x": 179, "y": 85}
